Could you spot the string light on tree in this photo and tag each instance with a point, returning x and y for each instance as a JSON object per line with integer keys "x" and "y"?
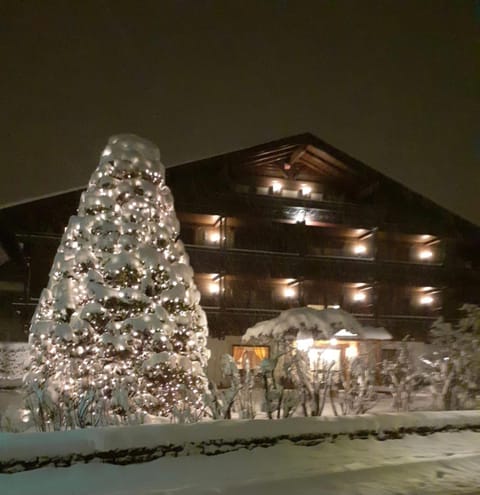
{"x": 119, "y": 332}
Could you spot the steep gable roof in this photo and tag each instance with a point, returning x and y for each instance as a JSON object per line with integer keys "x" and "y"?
{"x": 305, "y": 157}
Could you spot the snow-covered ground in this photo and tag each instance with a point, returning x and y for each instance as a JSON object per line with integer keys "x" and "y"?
{"x": 442, "y": 463}
{"x": 445, "y": 462}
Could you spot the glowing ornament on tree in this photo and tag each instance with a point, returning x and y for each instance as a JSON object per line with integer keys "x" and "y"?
{"x": 119, "y": 332}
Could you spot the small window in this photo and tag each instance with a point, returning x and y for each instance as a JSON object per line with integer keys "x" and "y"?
{"x": 253, "y": 354}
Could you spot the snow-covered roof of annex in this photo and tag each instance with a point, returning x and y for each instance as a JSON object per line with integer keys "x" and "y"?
{"x": 304, "y": 323}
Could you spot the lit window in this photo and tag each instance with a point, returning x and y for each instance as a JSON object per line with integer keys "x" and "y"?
{"x": 276, "y": 187}
{"x": 254, "y": 355}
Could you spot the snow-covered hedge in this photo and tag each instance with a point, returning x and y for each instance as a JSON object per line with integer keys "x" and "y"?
{"x": 134, "y": 444}
{"x": 14, "y": 358}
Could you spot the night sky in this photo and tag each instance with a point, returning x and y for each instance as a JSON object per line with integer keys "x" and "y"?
{"x": 392, "y": 83}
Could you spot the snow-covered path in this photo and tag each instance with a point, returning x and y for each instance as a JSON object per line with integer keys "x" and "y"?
{"x": 442, "y": 463}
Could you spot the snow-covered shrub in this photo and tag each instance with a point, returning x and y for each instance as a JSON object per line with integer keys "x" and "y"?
{"x": 454, "y": 368}
{"x": 357, "y": 381}
{"x": 281, "y": 397}
{"x": 48, "y": 414}
{"x": 245, "y": 401}
{"x": 402, "y": 376}
{"x": 238, "y": 396}
{"x": 14, "y": 420}
{"x": 314, "y": 381}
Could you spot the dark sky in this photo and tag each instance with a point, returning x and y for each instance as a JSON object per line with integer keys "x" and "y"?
{"x": 393, "y": 83}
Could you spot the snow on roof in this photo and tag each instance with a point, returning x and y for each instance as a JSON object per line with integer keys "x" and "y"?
{"x": 307, "y": 323}
{"x": 376, "y": 333}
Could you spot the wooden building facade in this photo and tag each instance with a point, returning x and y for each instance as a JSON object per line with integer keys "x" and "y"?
{"x": 290, "y": 223}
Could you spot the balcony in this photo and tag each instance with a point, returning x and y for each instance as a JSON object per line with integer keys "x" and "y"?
{"x": 279, "y": 208}
{"x": 282, "y": 264}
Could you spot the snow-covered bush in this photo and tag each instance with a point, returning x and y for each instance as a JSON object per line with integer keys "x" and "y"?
{"x": 357, "y": 382}
{"x": 245, "y": 401}
{"x": 14, "y": 420}
{"x": 402, "y": 376}
{"x": 281, "y": 398}
{"x": 314, "y": 381}
{"x": 238, "y": 396}
{"x": 119, "y": 333}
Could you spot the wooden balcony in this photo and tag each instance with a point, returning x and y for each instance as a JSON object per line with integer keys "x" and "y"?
{"x": 278, "y": 208}
{"x": 277, "y": 264}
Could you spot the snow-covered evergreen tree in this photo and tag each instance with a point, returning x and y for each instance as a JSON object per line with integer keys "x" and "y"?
{"x": 119, "y": 331}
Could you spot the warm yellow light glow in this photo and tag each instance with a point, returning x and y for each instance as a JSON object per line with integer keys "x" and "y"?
{"x": 425, "y": 254}
{"x": 351, "y": 351}
{"x": 359, "y": 248}
{"x": 330, "y": 355}
{"x": 304, "y": 344}
{"x": 426, "y": 299}
{"x": 214, "y": 236}
{"x": 289, "y": 292}
{"x": 333, "y": 341}
{"x": 276, "y": 186}
{"x": 313, "y": 356}
{"x": 359, "y": 296}
{"x": 214, "y": 287}
{"x": 305, "y": 190}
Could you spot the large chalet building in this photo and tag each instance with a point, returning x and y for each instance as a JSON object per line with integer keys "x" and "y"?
{"x": 290, "y": 223}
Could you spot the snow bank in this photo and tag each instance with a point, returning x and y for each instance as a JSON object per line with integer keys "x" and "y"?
{"x": 131, "y": 444}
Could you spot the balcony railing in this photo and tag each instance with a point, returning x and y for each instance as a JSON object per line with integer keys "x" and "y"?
{"x": 279, "y": 264}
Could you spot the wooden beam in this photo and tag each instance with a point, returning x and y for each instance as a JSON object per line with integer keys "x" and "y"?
{"x": 297, "y": 154}
{"x": 311, "y": 161}
{"x": 329, "y": 159}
